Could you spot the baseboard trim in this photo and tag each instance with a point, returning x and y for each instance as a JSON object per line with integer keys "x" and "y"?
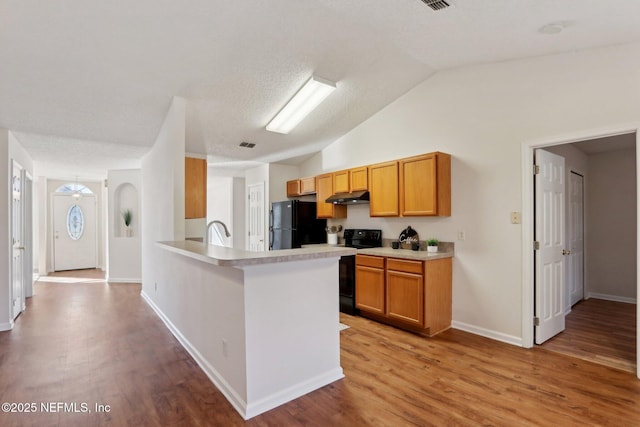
{"x": 121, "y": 280}
{"x": 488, "y": 333}
{"x": 260, "y": 406}
{"x": 612, "y": 298}
{"x": 6, "y": 326}
{"x": 234, "y": 398}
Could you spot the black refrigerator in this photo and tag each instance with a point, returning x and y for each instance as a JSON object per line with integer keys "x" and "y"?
{"x": 294, "y": 223}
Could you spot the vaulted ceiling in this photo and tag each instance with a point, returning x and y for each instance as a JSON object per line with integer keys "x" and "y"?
{"x": 96, "y": 78}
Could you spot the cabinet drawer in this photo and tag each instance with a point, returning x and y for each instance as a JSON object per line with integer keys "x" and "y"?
{"x": 370, "y": 261}
{"x": 405, "y": 265}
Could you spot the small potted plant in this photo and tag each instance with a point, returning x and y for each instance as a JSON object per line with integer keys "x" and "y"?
{"x": 127, "y": 216}
{"x": 432, "y": 245}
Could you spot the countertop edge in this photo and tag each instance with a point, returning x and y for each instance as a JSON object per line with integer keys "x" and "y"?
{"x": 228, "y": 257}
{"x": 406, "y": 254}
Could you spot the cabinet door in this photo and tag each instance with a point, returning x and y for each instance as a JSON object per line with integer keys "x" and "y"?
{"x": 324, "y": 189}
{"x": 383, "y": 189}
{"x": 405, "y": 297}
{"x": 341, "y": 182}
{"x": 293, "y": 188}
{"x": 195, "y": 192}
{"x": 425, "y": 185}
{"x": 358, "y": 179}
{"x": 370, "y": 289}
{"x": 308, "y": 185}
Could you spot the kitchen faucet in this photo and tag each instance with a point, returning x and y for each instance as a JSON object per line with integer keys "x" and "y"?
{"x": 206, "y": 231}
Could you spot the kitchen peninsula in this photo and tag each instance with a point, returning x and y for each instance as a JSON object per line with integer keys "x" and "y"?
{"x": 264, "y": 326}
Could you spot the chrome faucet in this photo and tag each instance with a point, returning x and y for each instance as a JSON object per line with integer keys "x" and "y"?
{"x": 206, "y": 231}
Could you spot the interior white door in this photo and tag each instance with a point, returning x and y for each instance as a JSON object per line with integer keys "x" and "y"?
{"x": 575, "y": 259}
{"x": 27, "y": 235}
{"x": 550, "y": 235}
{"x": 256, "y": 217}
{"x": 74, "y": 232}
{"x": 17, "y": 266}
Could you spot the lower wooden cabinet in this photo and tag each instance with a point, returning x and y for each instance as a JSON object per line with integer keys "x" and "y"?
{"x": 410, "y": 294}
{"x": 370, "y": 295}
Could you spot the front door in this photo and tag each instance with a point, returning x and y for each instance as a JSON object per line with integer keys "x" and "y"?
{"x": 550, "y": 235}
{"x": 74, "y": 232}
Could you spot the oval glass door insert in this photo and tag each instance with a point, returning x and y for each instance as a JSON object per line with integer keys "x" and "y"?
{"x": 75, "y": 222}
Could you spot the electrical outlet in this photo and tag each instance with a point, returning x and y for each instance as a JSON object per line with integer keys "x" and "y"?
{"x": 516, "y": 218}
{"x": 462, "y": 235}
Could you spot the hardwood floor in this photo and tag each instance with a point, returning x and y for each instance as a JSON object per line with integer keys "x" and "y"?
{"x": 95, "y": 342}
{"x": 599, "y": 331}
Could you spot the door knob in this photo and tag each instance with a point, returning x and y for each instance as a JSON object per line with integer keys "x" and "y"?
{"x": 566, "y": 252}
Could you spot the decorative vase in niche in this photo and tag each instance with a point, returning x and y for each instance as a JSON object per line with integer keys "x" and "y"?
{"x": 128, "y": 231}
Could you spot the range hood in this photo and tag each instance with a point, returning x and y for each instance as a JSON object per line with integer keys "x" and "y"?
{"x": 349, "y": 198}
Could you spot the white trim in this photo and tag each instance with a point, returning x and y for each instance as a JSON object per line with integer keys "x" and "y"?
{"x": 615, "y": 298}
{"x": 6, "y": 326}
{"x": 236, "y": 401}
{"x": 495, "y": 335}
{"x": 123, "y": 280}
{"x": 255, "y": 408}
{"x": 528, "y": 148}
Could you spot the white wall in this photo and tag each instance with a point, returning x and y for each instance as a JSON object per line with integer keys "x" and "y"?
{"x": 611, "y": 231}
{"x": 482, "y": 115}
{"x": 226, "y": 203}
{"x": 125, "y": 252}
{"x": 163, "y": 195}
{"x": 5, "y": 233}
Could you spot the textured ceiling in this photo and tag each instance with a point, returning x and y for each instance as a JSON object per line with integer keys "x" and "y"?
{"x": 77, "y": 74}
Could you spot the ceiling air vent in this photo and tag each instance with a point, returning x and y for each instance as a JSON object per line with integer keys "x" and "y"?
{"x": 247, "y": 144}
{"x": 436, "y": 4}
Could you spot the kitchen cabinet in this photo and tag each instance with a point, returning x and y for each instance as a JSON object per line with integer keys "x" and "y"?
{"x": 370, "y": 284}
{"x": 405, "y": 291}
{"x": 341, "y": 182}
{"x": 301, "y": 187}
{"x": 425, "y": 185}
{"x": 410, "y": 294}
{"x": 324, "y": 189}
{"x": 383, "y": 189}
{"x": 358, "y": 179}
{"x": 195, "y": 191}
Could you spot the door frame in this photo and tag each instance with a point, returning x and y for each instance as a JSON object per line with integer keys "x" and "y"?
{"x": 528, "y": 218}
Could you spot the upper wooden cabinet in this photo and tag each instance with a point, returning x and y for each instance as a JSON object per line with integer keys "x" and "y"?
{"x": 383, "y": 189}
{"x": 341, "y": 182}
{"x": 358, "y": 179}
{"x": 350, "y": 180}
{"x": 324, "y": 189}
{"x": 195, "y": 191}
{"x": 301, "y": 187}
{"x": 425, "y": 185}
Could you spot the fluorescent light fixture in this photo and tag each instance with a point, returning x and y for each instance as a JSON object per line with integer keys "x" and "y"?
{"x": 314, "y": 91}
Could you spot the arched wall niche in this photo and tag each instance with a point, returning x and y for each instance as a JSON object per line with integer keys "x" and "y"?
{"x": 126, "y": 198}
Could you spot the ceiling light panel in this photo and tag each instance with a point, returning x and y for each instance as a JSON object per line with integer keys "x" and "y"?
{"x": 314, "y": 91}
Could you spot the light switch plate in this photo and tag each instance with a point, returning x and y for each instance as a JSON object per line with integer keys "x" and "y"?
{"x": 516, "y": 218}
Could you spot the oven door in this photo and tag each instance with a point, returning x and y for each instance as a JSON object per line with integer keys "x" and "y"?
{"x": 348, "y": 284}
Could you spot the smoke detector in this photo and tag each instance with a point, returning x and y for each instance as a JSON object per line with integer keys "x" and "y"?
{"x": 437, "y": 4}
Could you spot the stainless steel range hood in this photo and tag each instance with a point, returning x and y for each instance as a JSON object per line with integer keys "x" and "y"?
{"x": 349, "y": 198}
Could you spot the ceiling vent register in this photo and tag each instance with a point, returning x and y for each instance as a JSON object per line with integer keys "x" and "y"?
{"x": 436, "y": 4}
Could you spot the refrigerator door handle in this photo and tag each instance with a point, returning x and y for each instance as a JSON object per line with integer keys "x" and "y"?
{"x": 271, "y": 230}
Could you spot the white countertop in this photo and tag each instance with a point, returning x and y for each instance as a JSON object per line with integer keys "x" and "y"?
{"x": 229, "y": 257}
{"x": 405, "y": 253}
{"x": 393, "y": 253}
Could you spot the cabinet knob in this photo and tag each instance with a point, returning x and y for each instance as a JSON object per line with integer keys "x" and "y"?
{"x": 566, "y": 252}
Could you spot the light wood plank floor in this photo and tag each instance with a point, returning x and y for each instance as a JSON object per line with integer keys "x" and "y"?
{"x": 599, "y": 331}
{"x": 100, "y": 343}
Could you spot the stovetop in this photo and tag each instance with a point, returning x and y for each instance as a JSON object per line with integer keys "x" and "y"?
{"x": 361, "y": 238}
